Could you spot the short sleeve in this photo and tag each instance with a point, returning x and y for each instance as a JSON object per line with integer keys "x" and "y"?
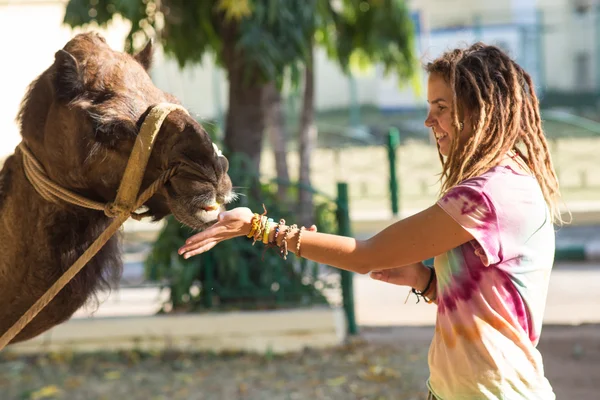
{"x": 469, "y": 205}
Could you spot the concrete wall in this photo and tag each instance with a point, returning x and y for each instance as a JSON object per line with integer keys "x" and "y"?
{"x": 252, "y": 331}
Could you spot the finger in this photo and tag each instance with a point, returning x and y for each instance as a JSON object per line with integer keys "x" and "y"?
{"x": 197, "y": 238}
{"x": 380, "y": 275}
{"x": 199, "y": 250}
{"x": 193, "y": 246}
{"x": 214, "y": 230}
{"x": 211, "y": 235}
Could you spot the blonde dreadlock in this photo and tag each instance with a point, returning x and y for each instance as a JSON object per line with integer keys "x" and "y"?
{"x": 501, "y": 96}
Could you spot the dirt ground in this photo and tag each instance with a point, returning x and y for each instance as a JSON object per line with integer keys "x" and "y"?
{"x": 384, "y": 363}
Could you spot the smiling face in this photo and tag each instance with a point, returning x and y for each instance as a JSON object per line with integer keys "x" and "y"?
{"x": 440, "y": 118}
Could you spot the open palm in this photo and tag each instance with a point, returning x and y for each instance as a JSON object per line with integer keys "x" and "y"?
{"x": 230, "y": 224}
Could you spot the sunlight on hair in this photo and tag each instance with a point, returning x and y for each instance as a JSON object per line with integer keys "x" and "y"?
{"x": 501, "y": 96}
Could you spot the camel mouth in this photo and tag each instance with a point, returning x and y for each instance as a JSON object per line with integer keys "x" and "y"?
{"x": 210, "y": 207}
{"x": 208, "y": 216}
{"x": 199, "y": 216}
{"x": 208, "y": 213}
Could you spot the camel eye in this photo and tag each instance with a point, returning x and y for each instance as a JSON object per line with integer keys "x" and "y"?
{"x": 102, "y": 97}
{"x": 110, "y": 131}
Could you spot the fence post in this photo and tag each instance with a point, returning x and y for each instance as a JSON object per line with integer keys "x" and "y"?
{"x": 343, "y": 219}
{"x": 393, "y": 140}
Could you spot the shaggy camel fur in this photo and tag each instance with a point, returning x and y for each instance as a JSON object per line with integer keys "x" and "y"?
{"x": 80, "y": 118}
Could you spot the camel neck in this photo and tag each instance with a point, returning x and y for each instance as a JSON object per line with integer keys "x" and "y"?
{"x": 39, "y": 240}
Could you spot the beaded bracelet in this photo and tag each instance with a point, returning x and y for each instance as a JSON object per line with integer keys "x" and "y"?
{"x": 299, "y": 241}
{"x": 277, "y": 231}
{"x": 284, "y": 246}
{"x": 260, "y": 230}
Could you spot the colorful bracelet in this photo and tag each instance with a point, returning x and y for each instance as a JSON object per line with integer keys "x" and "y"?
{"x": 255, "y": 223}
{"x": 265, "y": 237}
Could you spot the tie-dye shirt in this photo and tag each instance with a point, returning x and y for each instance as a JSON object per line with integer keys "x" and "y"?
{"x": 492, "y": 291}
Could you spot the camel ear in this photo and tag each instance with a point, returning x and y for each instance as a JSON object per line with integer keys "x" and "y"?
{"x": 68, "y": 81}
{"x": 144, "y": 56}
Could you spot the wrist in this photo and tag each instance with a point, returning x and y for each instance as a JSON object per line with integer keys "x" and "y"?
{"x": 418, "y": 277}
{"x": 426, "y": 282}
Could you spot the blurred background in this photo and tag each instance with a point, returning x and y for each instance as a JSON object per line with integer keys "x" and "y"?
{"x": 319, "y": 106}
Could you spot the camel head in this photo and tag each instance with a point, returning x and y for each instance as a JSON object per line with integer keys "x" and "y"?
{"x": 81, "y": 118}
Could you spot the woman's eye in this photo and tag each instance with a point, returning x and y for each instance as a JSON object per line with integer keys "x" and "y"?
{"x": 442, "y": 108}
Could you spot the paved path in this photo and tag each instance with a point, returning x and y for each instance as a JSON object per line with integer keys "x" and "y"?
{"x": 573, "y": 298}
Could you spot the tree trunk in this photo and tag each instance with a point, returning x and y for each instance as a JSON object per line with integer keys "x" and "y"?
{"x": 275, "y": 121}
{"x": 307, "y": 139}
{"x": 245, "y": 120}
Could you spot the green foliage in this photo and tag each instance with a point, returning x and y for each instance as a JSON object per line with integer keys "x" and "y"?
{"x": 141, "y": 14}
{"x": 274, "y": 38}
{"x": 359, "y": 34}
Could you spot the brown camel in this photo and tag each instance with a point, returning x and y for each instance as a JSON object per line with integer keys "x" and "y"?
{"x": 80, "y": 118}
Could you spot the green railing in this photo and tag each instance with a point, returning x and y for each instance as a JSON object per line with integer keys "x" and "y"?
{"x": 393, "y": 141}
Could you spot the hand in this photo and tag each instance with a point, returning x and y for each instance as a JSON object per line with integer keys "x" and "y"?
{"x": 409, "y": 275}
{"x": 230, "y": 224}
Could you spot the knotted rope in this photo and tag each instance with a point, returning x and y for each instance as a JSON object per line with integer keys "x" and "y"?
{"x": 54, "y": 193}
{"x": 120, "y": 210}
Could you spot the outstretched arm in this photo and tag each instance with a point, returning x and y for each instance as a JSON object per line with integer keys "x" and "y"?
{"x": 419, "y": 237}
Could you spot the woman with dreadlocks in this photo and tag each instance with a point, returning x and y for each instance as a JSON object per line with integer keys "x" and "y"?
{"x": 491, "y": 231}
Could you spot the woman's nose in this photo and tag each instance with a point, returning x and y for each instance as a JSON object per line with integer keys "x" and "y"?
{"x": 429, "y": 121}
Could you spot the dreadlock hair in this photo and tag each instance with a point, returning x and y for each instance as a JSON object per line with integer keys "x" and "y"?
{"x": 501, "y": 98}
